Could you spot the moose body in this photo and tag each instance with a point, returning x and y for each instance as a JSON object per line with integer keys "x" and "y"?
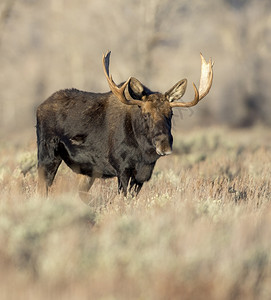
{"x": 119, "y": 134}
{"x": 95, "y": 135}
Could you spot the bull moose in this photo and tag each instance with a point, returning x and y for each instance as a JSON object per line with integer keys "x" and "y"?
{"x": 121, "y": 133}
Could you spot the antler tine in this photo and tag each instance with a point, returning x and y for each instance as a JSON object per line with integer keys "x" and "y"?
{"x": 187, "y": 104}
{"x": 206, "y": 79}
{"x": 117, "y": 91}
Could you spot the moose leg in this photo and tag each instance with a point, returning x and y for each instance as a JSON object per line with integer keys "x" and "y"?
{"x": 42, "y": 186}
{"x": 46, "y": 175}
{"x": 135, "y": 187}
{"x": 123, "y": 181}
{"x": 48, "y": 161}
{"x": 85, "y": 184}
{"x": 141, "y": 174}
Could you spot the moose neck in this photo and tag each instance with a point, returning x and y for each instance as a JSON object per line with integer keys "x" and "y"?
{"x": 142, "y": 135}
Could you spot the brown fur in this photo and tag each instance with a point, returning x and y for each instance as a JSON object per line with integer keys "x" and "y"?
{"x": 98, "y": 136}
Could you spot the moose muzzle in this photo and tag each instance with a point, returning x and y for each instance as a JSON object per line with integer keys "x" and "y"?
{"x": 163, "y": 144}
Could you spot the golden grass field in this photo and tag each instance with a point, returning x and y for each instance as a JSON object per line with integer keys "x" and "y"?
{"x": 199, "y": 229}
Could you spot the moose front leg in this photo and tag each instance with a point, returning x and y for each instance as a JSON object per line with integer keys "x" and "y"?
{"x": 123, "y": 181}
{"x": 135, "y": 187}
{"x": 141, "y": 174}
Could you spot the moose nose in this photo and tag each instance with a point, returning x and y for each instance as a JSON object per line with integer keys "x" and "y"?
{"x": 162, "y": 153}
{"x": 163, "y": 144}
{"x": 163, "y": 148}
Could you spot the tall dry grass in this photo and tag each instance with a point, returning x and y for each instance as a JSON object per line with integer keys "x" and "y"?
{"x": 200, "y": 229}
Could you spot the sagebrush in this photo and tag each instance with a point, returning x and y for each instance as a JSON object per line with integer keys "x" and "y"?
{"x": 200, "y": 229}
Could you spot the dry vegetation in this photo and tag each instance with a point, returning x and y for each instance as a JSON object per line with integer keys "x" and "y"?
{"x": 200, "y": 229}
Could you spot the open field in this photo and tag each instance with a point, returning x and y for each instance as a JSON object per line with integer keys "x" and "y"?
{"x": 200, "y": 229}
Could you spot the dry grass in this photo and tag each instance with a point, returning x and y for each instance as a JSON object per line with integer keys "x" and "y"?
{"x": 200, "y": 229}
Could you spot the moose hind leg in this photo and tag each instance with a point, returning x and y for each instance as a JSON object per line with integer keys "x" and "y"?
{"x": 46, "y": 174}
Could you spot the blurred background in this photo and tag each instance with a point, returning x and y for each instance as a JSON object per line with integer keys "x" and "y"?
{"x": 47, "y": 45}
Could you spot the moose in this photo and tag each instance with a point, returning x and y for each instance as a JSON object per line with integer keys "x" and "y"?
{"x": 121, "y": 133}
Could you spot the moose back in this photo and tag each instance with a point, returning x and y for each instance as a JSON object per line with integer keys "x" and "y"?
{"x": 120, "y": 133}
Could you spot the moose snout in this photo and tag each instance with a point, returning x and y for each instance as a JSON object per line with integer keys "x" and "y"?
{"x": 163, "y": 145}
{"x": 161, "y": 152}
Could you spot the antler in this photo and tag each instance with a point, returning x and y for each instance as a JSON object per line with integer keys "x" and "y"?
{"x": 117, "y": 91}
{"x": 206, "y": 79}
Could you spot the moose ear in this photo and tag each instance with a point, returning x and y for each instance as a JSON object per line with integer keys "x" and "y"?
{"x": 136, "y": 89}
{"x": 177, "y": 91}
